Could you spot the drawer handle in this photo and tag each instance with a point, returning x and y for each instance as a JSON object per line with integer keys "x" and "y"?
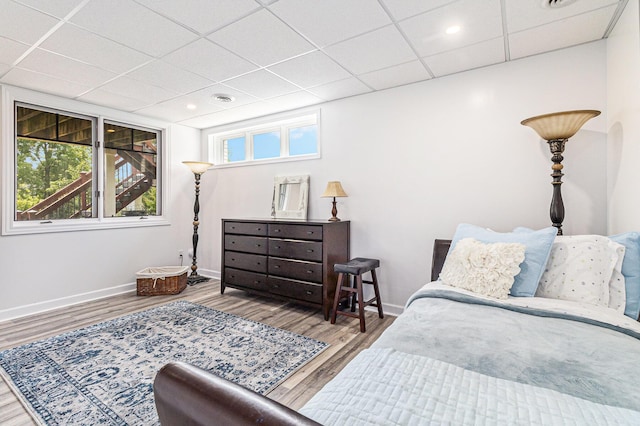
{"x": 233, "y": 259}
{"x": 277, "y": 247}
{"x": 310, "y": 250}
{"x": 258, "y": 245}
{"x": 276, "y": 266}
{"x": 309, "y": 272}
{"x": 258, "y": 229}
{"x": 277, "y": 230}
{"x": 276, "y": 286}
{"x": 256, "y": 282}
{"x": 309, "y": 292}
{"x": 258, "y": 263}
{"x": 309, "y": 232}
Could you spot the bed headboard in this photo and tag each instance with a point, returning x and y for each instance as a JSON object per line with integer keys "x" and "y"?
{"x": 440, "y": 250}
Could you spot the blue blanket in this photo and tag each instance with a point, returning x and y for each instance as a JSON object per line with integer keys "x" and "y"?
{"x": 457, "y": 359}
{"x": 556, "y": 351}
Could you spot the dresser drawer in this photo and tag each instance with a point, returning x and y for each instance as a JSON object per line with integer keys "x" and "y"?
{"x": 305, "y": 271}
{"x": 295, "y": 289}
{"x": 303, "y": 250}
{"x": 252, "y": 262}
{"x": 246, "y": 279}
{"x": 247, "y": 228}
{"x": 296, "y": 232}
{"x": 244, "y": 243}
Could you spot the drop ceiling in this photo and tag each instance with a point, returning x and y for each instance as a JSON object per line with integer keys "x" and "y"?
{"x": 167, "y": 59}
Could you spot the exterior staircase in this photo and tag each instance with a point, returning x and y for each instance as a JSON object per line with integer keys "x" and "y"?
{"x": 75, "y": 200}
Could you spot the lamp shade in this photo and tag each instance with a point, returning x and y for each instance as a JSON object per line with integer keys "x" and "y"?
{"x": 197, "y": 167}
{"x": 334, "y": 189}
{"x": 559, "y": 125}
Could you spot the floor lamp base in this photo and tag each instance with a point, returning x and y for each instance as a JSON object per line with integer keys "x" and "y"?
{"x": 195, "y": 279}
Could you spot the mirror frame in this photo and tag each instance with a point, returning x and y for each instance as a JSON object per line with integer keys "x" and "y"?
{"x": 303, "y": 201}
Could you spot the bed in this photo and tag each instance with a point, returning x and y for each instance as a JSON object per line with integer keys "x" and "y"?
{"x": 551, "y": 340}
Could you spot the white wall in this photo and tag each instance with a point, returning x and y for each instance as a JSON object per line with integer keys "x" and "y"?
{"x": 623, "y": 121}
{"x": 43, "y": 271}
{"x": 419, "y": 159}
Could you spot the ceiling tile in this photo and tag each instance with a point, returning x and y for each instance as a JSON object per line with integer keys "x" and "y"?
{"x": 43, "y": 83}
{"x": 559, "y": 34}
{"x": 170, "y": 77}
{"x": 241, "y": 113}
{"x": 111, "y": 100}
{"x": 57, "y": 8}
{"x": 64, "y": 68}
{"x": 203, "y": 98}
{"x": 77, "y": 43}
{"x": 13, "y": 18}
{"x": 261, "y": 38}
{"x": 340, "y": 89}
{"x": 209, "y": 60}
{"x": 135, "y": 89}
{"x": 330, "y": 21}
{"x": 401, "y": 9}
{"x": 378, "y": 49}
{"x": 176, "y": 109}
{"x": 262, "y": 84}
{"x": 295, "y": 100}
{"x": 466, "y": 58}
{"x": 479, "y": 21}
{"x": 121, "y": 20}
{"x": 202, "y": 16}
{"x": 11, "y": 50}
{"x": 397, "y": 75}
{"x": 309, "y": 70}
{"x": 527, "y": 14}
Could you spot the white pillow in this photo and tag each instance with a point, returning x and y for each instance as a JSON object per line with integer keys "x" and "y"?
{"x": 487, "y": 269}
{"x": 617, "y": 283}
{"x": 580, "y": 268}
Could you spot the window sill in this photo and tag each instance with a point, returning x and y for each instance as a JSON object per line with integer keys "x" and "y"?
{"x": 25, "y": 228}
{"x": 267, "y": 161}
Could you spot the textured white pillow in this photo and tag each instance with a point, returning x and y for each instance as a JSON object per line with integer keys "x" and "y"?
{"x": 487, "y": 269}
{"x": 580, "y": 268}
{"x": 617, "y": 284}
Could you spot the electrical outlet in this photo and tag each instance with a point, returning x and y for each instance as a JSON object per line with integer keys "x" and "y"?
{"x": 180, "y": 252}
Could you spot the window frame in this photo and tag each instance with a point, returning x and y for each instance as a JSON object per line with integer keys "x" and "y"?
{"x": 10, "y": 226}
{"x": 281, "y": 123}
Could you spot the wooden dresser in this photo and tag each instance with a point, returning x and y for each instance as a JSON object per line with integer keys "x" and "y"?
{"x": 290, "y": 260}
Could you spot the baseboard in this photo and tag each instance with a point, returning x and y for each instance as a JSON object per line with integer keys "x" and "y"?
{"x": 387, "y": 309}
{"x": 36, "y": 308}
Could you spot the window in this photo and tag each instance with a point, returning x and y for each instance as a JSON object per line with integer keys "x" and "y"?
{"x": 130, "y": 162}
{"x": 292, "y": 138}
{"x": 65, "y": 179}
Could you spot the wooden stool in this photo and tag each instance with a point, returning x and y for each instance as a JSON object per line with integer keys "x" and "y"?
{"x": 356, "y": 267}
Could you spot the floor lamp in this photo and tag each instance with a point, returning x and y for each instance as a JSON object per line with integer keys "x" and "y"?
{"x": 198, "y": 168}
{"x": 556, "y": 129}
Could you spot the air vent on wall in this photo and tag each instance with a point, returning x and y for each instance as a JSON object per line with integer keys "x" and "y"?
{"x": 556, "y": 4}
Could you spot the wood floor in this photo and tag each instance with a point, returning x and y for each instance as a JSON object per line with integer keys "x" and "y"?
{"x": 344, "y": 337}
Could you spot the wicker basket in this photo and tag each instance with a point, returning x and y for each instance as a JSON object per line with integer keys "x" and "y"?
{"x": 161, "y": 280}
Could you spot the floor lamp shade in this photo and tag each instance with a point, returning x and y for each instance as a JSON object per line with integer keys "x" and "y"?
{"x": 556, "y": 128}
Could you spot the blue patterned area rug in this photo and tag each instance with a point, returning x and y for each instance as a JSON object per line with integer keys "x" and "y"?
{"x": 103, "y": 374}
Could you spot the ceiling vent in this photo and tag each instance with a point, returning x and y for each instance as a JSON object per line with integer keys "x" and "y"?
{"x": 556, "y": 4}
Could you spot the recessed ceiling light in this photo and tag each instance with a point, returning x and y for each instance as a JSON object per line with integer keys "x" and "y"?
{"x": 191, "y": 106}
{"x": 453, "y": 29}
{"x": 222, "y": 97}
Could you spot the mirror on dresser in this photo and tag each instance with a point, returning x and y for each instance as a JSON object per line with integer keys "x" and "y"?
{"x": 290, "y": 197}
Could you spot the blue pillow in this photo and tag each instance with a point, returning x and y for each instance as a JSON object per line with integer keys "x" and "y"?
{"x": 538, "y": 247}
{"x": 631, "y": 271}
